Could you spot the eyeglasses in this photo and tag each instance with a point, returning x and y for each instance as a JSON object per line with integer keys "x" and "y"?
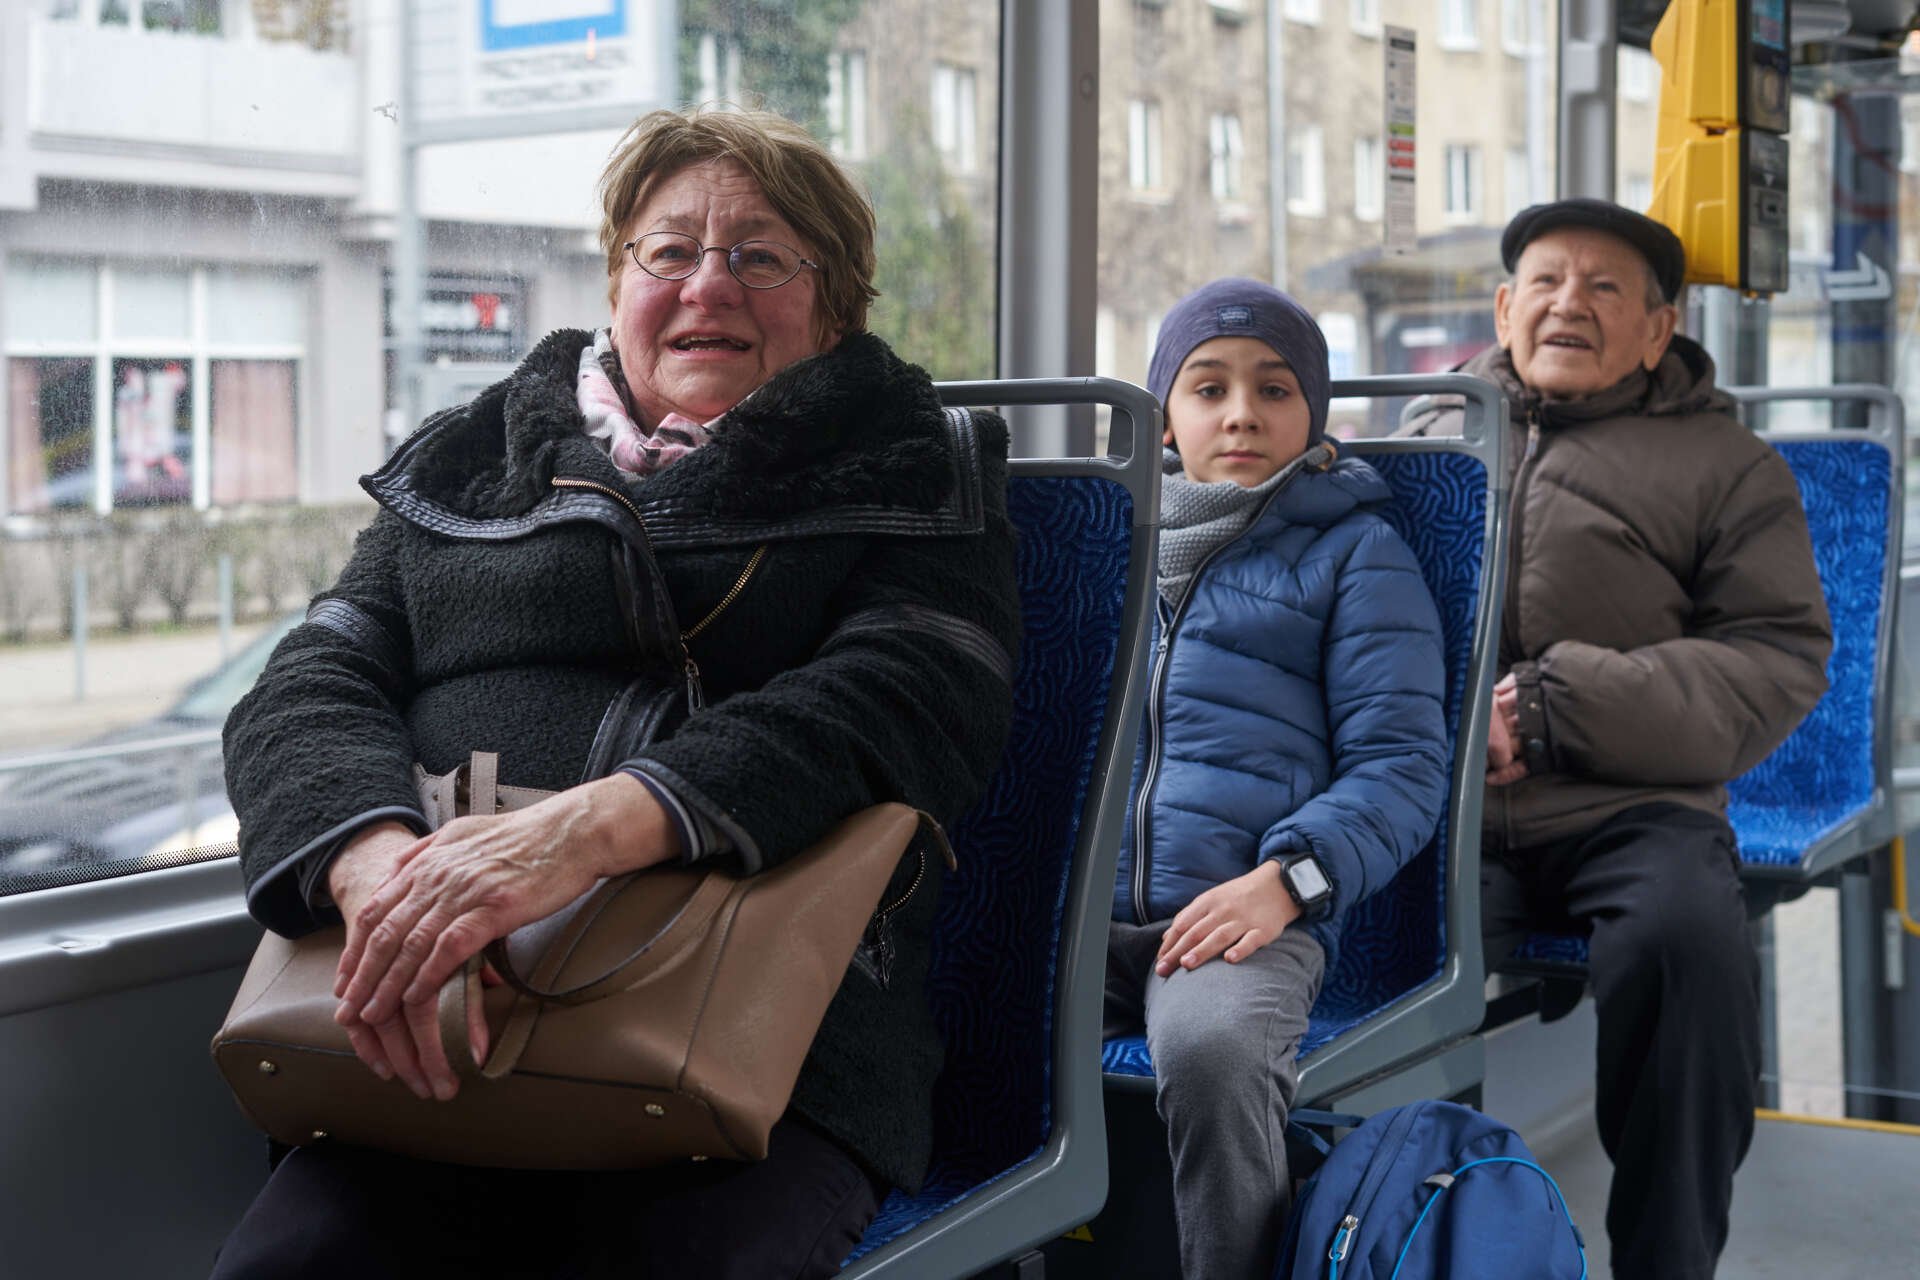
{"x": 757, "y": 264}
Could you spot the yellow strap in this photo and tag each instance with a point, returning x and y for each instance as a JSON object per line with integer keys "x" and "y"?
{"x": 1898, "y": 851}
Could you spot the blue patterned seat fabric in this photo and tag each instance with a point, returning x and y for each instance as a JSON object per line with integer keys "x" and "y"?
{"x": 1395, "y": 942}
{"x": 1823, "y": 775}
{"x": 996, "y": 941}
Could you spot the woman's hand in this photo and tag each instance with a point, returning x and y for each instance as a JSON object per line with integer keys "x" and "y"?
{"x": 1238, "y": 918}
{"x": 445, "y": 897}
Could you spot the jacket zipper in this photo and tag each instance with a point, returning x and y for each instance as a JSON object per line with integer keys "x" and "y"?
{"x": 1510, "y": 616}
{"x": 1157, "y": 686}
{"x": 696, "y": 695}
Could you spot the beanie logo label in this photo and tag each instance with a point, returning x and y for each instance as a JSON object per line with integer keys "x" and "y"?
{"x": 1234, "y": 317}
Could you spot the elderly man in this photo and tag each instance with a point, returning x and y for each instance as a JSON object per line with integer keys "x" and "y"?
{"x": 1663, "y": 631}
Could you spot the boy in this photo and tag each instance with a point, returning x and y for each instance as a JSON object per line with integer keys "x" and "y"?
{"x": 1293, "y": 758}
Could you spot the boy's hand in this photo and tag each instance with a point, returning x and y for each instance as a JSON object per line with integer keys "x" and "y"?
{"x": 1236, "y": 918}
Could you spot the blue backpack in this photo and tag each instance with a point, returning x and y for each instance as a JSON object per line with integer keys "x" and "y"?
{"x": 1427, "y": 1191}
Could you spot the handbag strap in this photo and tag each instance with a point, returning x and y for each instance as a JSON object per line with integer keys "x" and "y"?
{"x": 682, "y": 929}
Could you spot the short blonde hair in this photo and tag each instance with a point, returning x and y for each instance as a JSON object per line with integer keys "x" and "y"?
{"x": 799, "y": 177}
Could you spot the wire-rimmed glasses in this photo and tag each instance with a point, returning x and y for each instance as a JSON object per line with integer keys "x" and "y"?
{"x": 757, "y": 264}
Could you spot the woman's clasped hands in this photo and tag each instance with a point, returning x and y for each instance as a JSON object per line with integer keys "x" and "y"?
{"x": 418, "y": 908}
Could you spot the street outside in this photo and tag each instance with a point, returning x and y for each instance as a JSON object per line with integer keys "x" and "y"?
{"x": 128, "y": 679}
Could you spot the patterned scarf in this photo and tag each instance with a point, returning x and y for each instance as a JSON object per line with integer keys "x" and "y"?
{"x": 1197, "y": 516}
{"x": 602, "y": 395}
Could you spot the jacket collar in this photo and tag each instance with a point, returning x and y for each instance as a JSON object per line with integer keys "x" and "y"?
{"x": 1682, "y": 383}
{"x": 854, "y": 436}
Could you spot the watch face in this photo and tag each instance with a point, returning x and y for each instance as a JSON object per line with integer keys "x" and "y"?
{"x": 1308, "y": 880}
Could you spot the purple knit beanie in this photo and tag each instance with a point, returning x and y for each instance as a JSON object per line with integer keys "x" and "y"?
{"x": 1242, "y": 308}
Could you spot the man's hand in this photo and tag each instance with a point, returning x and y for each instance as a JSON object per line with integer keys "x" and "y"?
{"x": 1236, "y": 918}
{"x": 1504, "y": 761}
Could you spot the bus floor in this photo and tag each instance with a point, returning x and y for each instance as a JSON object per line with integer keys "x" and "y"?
{"x": 1833, "y": 1200}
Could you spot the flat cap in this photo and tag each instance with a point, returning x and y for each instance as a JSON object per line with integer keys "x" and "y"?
{"x": 1659, "y": 246}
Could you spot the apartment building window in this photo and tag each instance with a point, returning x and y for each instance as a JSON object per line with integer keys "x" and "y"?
{"x": 1364, "y": 17}
{"x": 132, "y": 385}
{"x": 1369, "y": 179}
{"x": 1305, "y": 11}
{"x": 1459, "y": 24}
{"x": 1516, "y": 23}
{"x": 1637, "y": 73}
{"x": 955, "y": 108}
{"x": 1636, "y": 191}
{"x": 1224, "y": 146}
{"x": 719, "y": 67}
{"x": 1519, "y": 183}
{"x": 1143, "y": 145}
{"x": 1306, "y": 172}
{"x": 196, "y": 17}
{"x": 1462, "y": 198}
{"x": 847, "y": 103}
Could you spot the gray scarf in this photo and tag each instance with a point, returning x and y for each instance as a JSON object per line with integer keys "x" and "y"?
{"x": 1197, "y": 516}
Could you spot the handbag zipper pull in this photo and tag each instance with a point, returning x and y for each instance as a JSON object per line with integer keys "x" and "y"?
{"x": 696, "y": 696}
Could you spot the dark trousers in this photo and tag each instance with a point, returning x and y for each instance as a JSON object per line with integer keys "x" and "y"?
{"x": 1676, "y": 986}
{"x": 337, "y": 1211}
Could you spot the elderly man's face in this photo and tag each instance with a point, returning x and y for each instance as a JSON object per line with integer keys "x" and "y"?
{"x": 1575, "y": 316}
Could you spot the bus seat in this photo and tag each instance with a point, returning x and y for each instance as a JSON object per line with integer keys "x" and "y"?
{"x": 1825, "y": 795}
{"x": 1020, "y": 948}
{"x": 1408, "y": 979}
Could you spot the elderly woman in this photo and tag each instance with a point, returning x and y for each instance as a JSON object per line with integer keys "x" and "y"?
{"x": 719, "y": 575}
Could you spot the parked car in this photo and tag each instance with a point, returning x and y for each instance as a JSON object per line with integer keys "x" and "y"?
{"x": 134, "y": 799}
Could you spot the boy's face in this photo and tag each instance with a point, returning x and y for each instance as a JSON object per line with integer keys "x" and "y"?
{"x": 1236, "y": 413}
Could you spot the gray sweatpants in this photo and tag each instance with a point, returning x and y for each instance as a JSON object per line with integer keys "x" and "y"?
{"x": 1223, "y": 1039}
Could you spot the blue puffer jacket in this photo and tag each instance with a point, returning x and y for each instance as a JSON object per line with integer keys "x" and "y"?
{"x": 1295, "y": 706}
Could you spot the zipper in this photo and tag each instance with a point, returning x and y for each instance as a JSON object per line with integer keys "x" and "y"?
{"x": 1377, "y": 1170}
{"x": 696, "y": 695}
{"x": 1157, "y": 684}
{"x": 1510, "y": 622}
{"x": 1510, "y": 614}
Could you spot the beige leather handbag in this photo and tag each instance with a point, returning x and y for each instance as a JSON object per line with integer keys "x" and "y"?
{"x": 662, "y": 1015}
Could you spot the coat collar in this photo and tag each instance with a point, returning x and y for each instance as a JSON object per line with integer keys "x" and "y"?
{"x": 1682, "y": 383}
{"x": 853, "y": 430}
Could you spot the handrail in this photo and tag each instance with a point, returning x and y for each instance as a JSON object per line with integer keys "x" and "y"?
{"x": 1897, "y": 851}
{"x": 80, "y": 755}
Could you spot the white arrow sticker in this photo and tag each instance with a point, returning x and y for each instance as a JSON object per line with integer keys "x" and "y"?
{"x": 1867, "y": 281}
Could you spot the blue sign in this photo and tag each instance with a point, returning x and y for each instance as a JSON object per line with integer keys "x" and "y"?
{"x": 526, "y": 24}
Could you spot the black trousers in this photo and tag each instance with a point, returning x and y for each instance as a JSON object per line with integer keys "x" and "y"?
{"x": 1676, "y": 986}
{"x": 337, "y": 1211}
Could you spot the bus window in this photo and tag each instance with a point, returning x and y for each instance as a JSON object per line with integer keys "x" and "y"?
{"x": 199, "y": 212}
{"x": 1208, "y": 171}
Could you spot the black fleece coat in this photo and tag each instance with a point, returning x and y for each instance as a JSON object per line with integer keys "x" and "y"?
{"x": 508, "y": 598}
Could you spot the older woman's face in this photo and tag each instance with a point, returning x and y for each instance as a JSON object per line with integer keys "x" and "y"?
{"x": 698, "y": 346}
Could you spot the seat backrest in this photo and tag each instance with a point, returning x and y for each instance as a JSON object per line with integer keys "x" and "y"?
{"x": 1832, "y": 775}
{"x": 1396, "y": 941}
{"x": 1020, "y": 940}
{"x": 1000, "y": 916}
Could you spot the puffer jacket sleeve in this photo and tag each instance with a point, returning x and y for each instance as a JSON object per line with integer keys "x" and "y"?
{"x": 317, "y": 749}
{"x": 1704, "y": 708}
{"x": 909, "y": 697}
{"x": 1384, "y": 678}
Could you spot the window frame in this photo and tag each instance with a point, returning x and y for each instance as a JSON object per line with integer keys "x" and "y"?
{"x": 1469, "y": 175}
{"x": 199, "y": 351}
{"x": 1374, "y": 166}
{"x": 1146, "y": 147}
{"x": 1226, "y": 160}
{"x": 1459, "y": 26}
{"x": 1309, "y": 200}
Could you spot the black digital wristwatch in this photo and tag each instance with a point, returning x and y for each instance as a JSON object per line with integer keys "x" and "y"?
{"x": 1307, "y": 884}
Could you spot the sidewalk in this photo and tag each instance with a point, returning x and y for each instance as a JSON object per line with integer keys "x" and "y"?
{"x": 128, "y": 679}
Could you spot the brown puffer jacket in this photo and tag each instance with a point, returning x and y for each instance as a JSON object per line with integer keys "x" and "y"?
{"x": 1663, "y": 619}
